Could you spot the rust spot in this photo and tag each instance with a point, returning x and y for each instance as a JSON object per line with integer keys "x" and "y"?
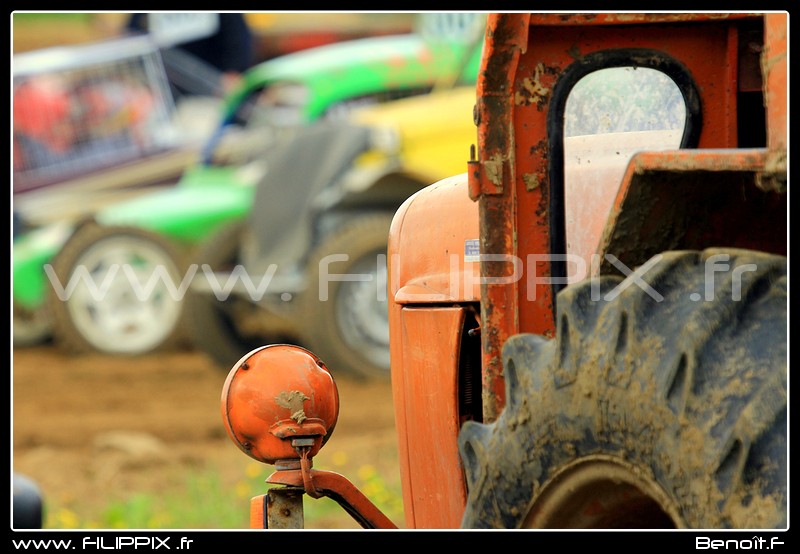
{"x": 542, "y": 206}
{"x": 494, "y": 76}
{"x": 494, "y": 169}
{"x": 534, "y": 92}
{"x": 294, "y": 402}
{"x": 503, "y": 34}
{"x": 493, "y": 117}
{"x": 540, "y": 149}
{"x": 531, "y": 181}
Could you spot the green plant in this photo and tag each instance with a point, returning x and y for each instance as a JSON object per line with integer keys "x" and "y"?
{"x": 204, "y": 501}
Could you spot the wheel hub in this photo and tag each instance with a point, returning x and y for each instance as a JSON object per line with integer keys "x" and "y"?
{"x": 600, "y": 492}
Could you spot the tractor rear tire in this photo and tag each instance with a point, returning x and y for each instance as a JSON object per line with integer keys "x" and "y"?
{"x": 644, "y": 413}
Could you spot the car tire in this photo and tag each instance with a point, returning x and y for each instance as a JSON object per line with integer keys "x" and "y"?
{"x": 214, "y": 326}
{"x": 30, "y": 326}
{"x": 347, "y": 320}
{"x": 133, "y": 310}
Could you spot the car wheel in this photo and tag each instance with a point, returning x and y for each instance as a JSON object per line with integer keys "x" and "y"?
{"x": 346, "y": 320}
{"x": 31, "y": 327}
{"x": 117, "y": 290}
{"x": 225, "y": 328}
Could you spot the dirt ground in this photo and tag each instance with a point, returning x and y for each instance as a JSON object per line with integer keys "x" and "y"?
{"x": 93, "y": 428}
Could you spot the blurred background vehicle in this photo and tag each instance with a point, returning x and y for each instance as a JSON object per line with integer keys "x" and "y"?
{"x": 274, "y": 33}
{"x": 92, "y": 124}
{"x": 308, "y": 263}
{"x": 204, "y": 52}
{"x": 279, "y": 94}
{"x": 123, "y": 113}
{"x": 79, "y": 111}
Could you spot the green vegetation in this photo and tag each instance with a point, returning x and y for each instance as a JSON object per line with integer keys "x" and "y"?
{"x": 36, "y": 17}
{"x": 204, "y": 502}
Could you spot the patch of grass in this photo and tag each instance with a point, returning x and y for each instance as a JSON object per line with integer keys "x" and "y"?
{"x": 204, "y": 502}
{"x": 37, "y": 17}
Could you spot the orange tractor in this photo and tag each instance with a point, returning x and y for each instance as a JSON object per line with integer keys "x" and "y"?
{"x": 589, "y": 326}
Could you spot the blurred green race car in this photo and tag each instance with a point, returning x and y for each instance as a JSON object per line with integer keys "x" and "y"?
{"x": 273, "y": 100}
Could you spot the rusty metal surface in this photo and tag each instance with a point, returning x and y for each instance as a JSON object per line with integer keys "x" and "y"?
{"x": 691, "y": 200}
{"x": 511, "y": 175}
{"x": 285, "y": 508}
{"x": 276, "y": 393}
{"x": 714, "y": 193}
{"x": 585, "y": 19}
{"x": 506, "y": 39}
{"x": 774, "y": 62}
{"x": 338, "y": 488}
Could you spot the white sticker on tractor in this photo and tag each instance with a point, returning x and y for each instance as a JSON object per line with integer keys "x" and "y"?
{"x": 472, "y": 250}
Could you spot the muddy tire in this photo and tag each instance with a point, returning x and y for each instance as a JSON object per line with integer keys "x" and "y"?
{"x": 118, "y": 317}
{"x": 644, "y": 414}
{"x": 30, "y": 327}
{"x": 347, "y": 321}
{"x": 215, "y": 326}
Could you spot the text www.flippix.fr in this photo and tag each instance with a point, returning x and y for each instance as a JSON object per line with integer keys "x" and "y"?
{"x": 105, "y": 543}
